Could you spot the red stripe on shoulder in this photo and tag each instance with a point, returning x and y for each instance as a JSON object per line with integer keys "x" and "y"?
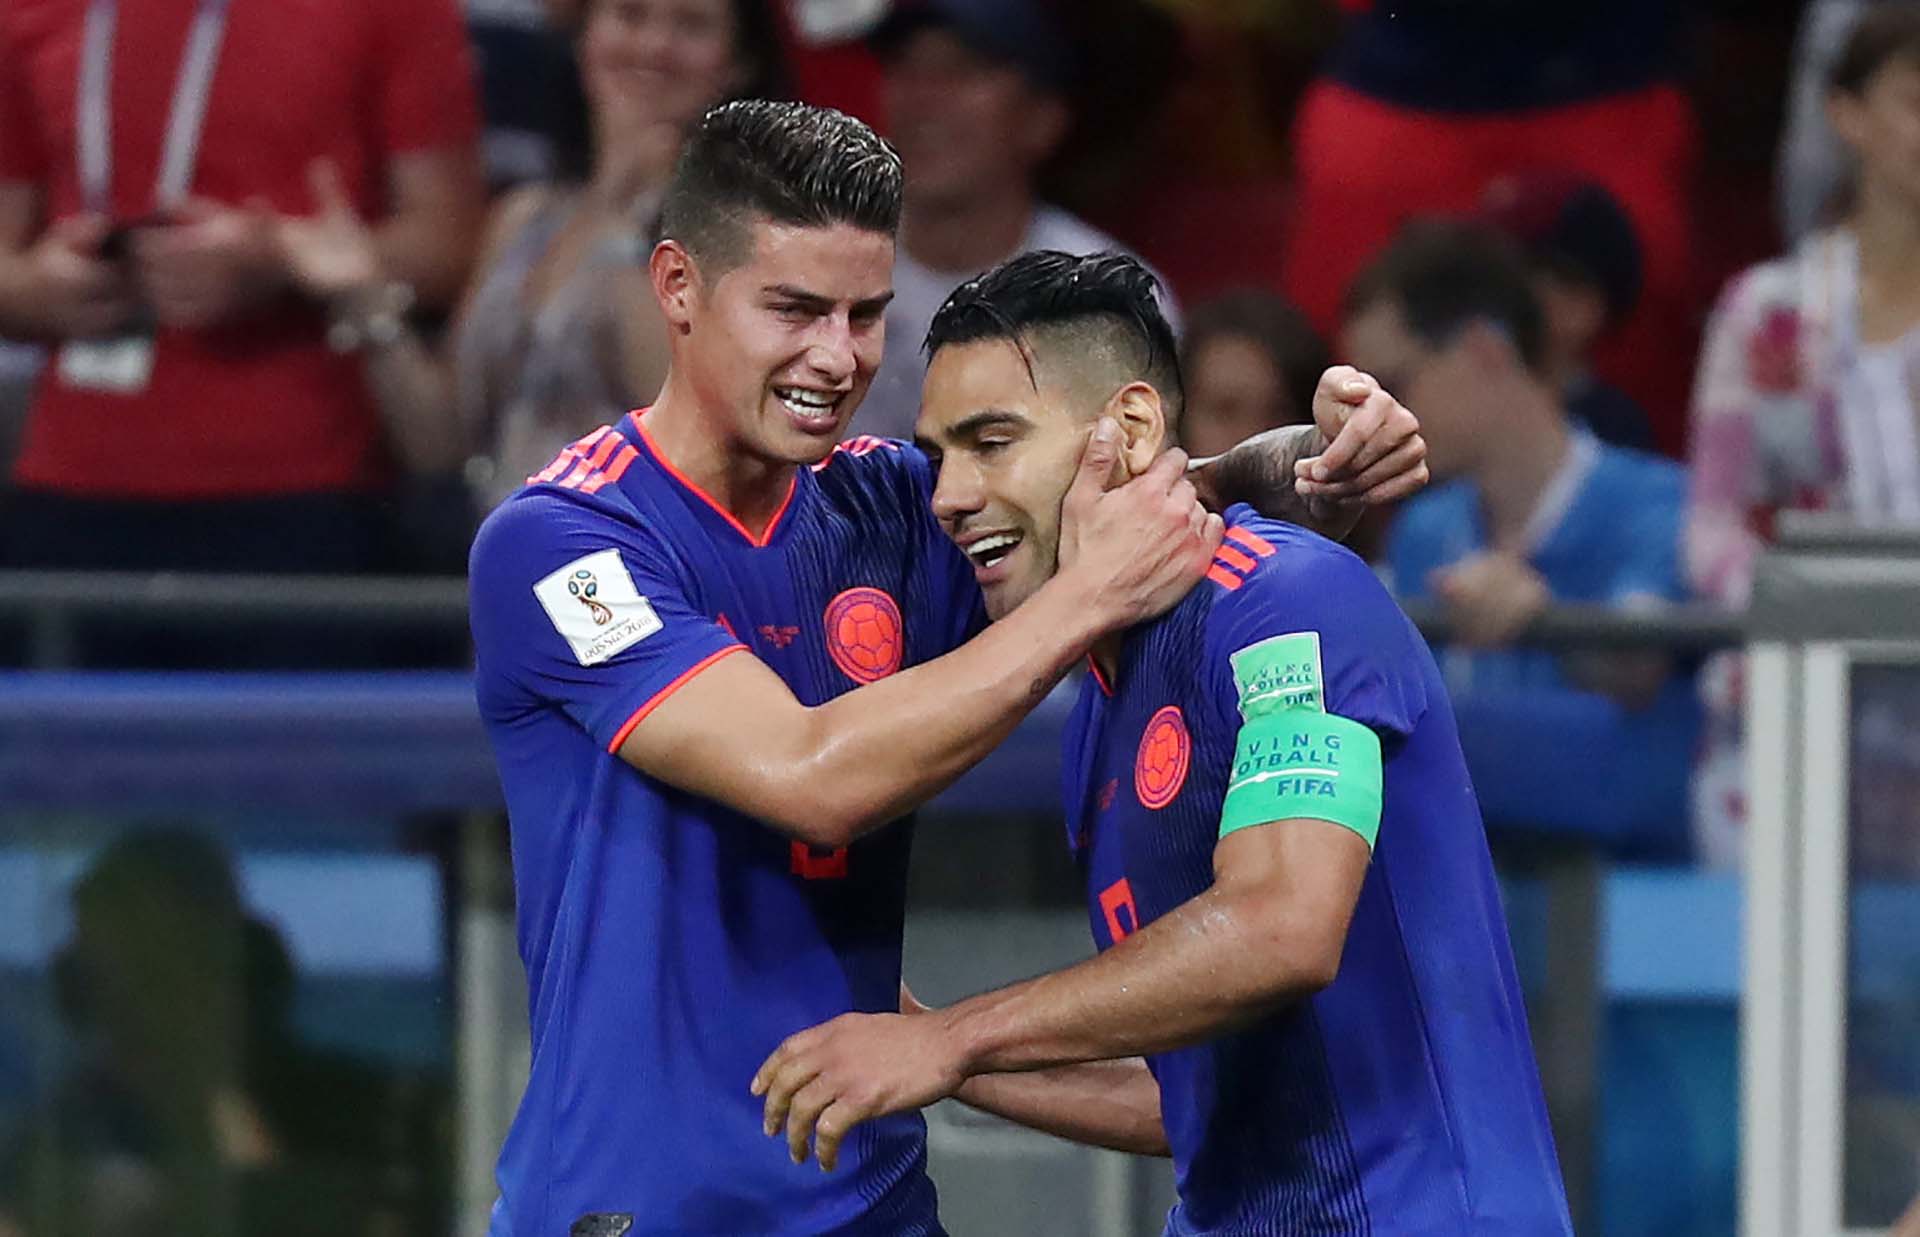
{"x": 1250, "y": 539}
{"x": 1224, "y": 578}
{"x": 1233, "y": 558}
{"x": 622, "y": 460}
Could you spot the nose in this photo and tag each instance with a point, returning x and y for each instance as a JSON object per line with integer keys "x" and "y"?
{"x": 830, "y": 353}
{"x": 957, "y": 492}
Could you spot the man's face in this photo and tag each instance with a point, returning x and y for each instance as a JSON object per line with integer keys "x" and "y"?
{"x": 962, "y": 121}
{"x": 1443, "y": 384}
{"x": 787, "y": 343}
{"x": 1006, "y": 454}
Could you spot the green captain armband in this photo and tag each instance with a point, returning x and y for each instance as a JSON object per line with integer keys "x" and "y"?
{"x": 1298, "y": 763}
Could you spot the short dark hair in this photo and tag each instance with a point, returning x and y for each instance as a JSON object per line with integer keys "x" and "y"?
{"x": 1887, "y": 33}
{"x": 1273, "y": 324}
{"x": 1107, "y": 300}
{"x": 788, "y": 163}
{"x": 1446, "y": 274}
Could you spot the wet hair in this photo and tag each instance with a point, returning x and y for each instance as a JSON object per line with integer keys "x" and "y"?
{"x": 1271, "y": 323}
{"x": 1445, "y": 275}
{"x": 790, "y": 163}
{"x": 1887, "y": 33}
{"x": 1103, "y": 306}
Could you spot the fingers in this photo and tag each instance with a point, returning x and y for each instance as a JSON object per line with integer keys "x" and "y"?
{"x": 1096, "y": 462}
{"x": 1402, "y": 472}
{"x": 1361, "y": 442}
{"x": 328, "y": 188}
{"x": 1345, "y": 384}
{"x": 1168, "y": 472}
{"x": 808, "y": 1103}
{"x": 783, "y": 1076}
{"x": 80, "y": 234}
{"x": 833, "y": 1126}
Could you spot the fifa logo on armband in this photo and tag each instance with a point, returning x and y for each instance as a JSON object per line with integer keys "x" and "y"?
{"x": 586, "y": 588}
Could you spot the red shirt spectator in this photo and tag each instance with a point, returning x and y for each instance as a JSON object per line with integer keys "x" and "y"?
{"x": 249, "y": 403}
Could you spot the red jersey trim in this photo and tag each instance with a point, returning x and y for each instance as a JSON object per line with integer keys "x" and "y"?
{"x": 760, "y": 542}
{"x": 659, "y": 698}
{"x": 1099, "y": 678}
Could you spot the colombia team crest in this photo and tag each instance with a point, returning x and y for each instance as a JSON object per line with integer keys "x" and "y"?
{"x": 1166, "y": 749}
{"x": 864, "y": 634}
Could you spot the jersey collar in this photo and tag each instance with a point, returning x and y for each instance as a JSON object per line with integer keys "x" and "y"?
{"x": 637, "y": 428}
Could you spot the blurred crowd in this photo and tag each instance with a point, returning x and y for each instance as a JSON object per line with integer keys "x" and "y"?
{"x": 310, "y": 295}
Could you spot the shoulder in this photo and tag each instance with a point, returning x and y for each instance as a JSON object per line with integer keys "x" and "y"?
{"x": 869, "y": 467}
{"x": 509, "y": 217}
{"x": 1640, "y": 473}
{"x": 1270, "y": 572}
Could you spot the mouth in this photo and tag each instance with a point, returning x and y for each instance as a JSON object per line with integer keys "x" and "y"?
{"x": 810, "y": 410}
{"x": 988, "y": 552}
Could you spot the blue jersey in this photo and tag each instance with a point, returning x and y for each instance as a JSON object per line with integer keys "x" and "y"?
{"x": 670, "y": 943}
{"x": 1403, "y": 1098}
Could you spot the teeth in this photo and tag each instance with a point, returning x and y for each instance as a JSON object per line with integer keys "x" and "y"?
{"x": 804, "y": 401}
{"x": 989, "y": 550}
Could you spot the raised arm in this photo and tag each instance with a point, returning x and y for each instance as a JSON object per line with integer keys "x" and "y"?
{"x": 827, "y": 774}
{"x": 1363, "y": 450}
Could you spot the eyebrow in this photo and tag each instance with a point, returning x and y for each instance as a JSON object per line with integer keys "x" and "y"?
{"x": 974, "y": 424}
{"x": 824, "y": 304}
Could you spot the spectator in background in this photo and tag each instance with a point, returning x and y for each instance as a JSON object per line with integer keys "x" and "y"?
{"x": 1812, "y": 172}
{"x": 1250, "y": 362}
{"x": 977, "y": 100}
{"x": 1529, "y": 507}
{"x": 559, "y": 333}
{"x": 535, "y": 119}
{"x": 192, "y": 415}
{"x": 190, "y": 1106}
{"x": 1586, "y": 275}
{"x": 1425, "y": 101}
{"x": 1805, "y": 396}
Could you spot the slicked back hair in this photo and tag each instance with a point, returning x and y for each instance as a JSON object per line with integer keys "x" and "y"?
{"x": 790, "y": 163}
{"x": 1447, "y": 274}
{"x": 1101, "y": 307}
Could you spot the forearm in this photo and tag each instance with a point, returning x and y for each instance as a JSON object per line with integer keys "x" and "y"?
{"x": 19, "y": 299}
{"x": 867, "y": 757}
{"x": 414, "y": 392}
{"x": 1208, "y": 967}
{"x": 430, "y": 253}
{"x": 1112, "y": 1104}
{"x": 1260, "y": 473}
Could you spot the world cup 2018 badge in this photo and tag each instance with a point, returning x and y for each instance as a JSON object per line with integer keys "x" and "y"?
{"x": 583, "y": 586}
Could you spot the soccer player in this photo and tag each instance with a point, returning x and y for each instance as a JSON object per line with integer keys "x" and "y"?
{"x": 1285, "y": 868}
{"x": 710, "y": 660}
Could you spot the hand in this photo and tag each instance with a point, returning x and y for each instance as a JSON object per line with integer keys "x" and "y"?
{"x": 330, "y": 255}
{"x": 911, "y": 1004}
{"x": 77, "y": 294}
{"x": 1490, "y": 598}
{"x": 210, "y": 264}
{"x": 1374, "y": 453}
{"x": 1137, "y": 548}
{"x": 823, "y": 1081}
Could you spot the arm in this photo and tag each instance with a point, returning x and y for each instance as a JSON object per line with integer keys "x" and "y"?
{"x": 1363, "y": 450}
{"x": 828, "y": 774}
{"x": 433, "y": 223}
{"x": 1111, "y": 1104}
{"x": 1724, "y": 464}
{"x": 1270, "y": 930}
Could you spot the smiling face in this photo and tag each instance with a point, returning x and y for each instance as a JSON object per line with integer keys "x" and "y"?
{"x": 1006, "y": 443}
{"x": 780, "y": 349}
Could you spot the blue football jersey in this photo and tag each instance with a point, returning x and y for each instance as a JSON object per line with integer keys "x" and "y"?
{"x": 1403, "y": 1098}
{"x": 670, "y": 943}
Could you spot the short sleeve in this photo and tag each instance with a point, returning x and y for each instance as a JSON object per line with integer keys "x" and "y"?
{"x": 1653, "y": 571}
{"x": 427, "y": 96}
{"x": 574, "y": 610}
{"x": 1316, "y": 627}
{"x": 21, "y": 157}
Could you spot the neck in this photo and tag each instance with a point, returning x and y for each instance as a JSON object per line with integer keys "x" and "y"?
{"x": 748, "y": 487}
{"x": 1533, "y": 444}
{"x": 967, "y": 234}
{"x": 1888, "y": 229}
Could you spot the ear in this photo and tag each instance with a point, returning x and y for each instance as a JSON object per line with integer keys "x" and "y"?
{"x": 1143, "y": 425}
{"x": 676, "y": 284}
